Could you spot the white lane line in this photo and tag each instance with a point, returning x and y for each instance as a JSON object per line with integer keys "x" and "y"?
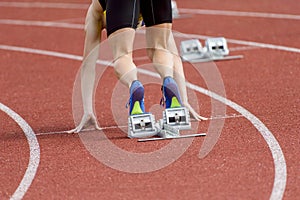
{"x": 34, "y": 155}
{"x": 277, "y": 154}
{"x": 184, "y": 10}
{"x": 70, "y": 20}
{"x": 264, "y": 45}
{"x": 276, "y": 151}
{"x": 41, "y": 23}
{"x": 195, "y": 36}
{"x": 243, "y": 48}
{"x": 243, "y": 42}
{"x": 85, "y": 130}
{"x": 49, "y": 53}
{"x": 44, "y": 5}
{"x": 239, "y": 13}
{"x": 41, "y": 52}
{"x": 125, "y": 126}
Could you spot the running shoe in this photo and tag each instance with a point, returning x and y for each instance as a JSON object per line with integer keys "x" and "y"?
{"x": 171, "y": 96}
{"x": 136, "y": 100}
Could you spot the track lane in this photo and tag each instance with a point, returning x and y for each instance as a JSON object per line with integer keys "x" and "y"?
{"x": 260, "y": 111}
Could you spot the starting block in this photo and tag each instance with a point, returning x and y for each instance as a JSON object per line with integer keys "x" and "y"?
{"x": 177, "y": 117}
{"x": 175, "y": 12}
{"x": 215, "y": 49}
{"x": 191, "y": 50}
{"x": 144, "y": 127}
{"x": 141, "y": 126}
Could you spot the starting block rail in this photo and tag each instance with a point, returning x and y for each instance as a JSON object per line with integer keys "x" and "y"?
{"x": 174, "y": 137}
{"x": 142, "y": 125}
{"x": 215, "y": 59}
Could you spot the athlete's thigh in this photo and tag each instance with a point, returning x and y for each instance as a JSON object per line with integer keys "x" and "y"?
{"x": 156, "y": 12}
{"x": 121, "y": 14}
{"x": 101, "y": 2}
{"x": 98, "y": 5}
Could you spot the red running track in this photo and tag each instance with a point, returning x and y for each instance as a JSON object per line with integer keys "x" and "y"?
{"x": 240, "y": 166}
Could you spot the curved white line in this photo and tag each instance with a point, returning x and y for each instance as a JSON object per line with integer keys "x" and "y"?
{"x": 277, "y": 154}
{"x": 243, "y": 42}
{"x": 34, "y": 155}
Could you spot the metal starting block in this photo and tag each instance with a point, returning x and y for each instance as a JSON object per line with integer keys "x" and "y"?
{"x": 175, "y": 12}
{"x": 177, "y": 117}
{"x": 143, "y": 126}
{"x": 140, "y": 126}
{"x": 215, "y": 49}
{"x": 191, "y": 50}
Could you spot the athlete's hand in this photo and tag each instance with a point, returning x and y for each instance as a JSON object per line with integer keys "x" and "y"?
{"x": 193, "y": 113}
{"x": 88, "y": 121}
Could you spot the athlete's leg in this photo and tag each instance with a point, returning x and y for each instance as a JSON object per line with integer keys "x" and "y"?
{"x": 157, "y": 15}
{"x": 94, "y": 24}
{"x": 163, "y": 51}
{"x": 122, "y": 19}
{"x": 157, "y": 38}
{"x": 179, "y": 77}
{"x": 121, "y": 42}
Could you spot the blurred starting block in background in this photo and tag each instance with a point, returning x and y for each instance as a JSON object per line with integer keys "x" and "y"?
{"x": 175, "y": 11}
{"x": 215, "y": 49}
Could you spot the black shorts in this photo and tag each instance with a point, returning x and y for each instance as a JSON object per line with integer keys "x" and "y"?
{"x": 125, "y": 13}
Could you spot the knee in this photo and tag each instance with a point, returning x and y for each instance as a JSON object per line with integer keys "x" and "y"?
{"x": 150, "y": 53}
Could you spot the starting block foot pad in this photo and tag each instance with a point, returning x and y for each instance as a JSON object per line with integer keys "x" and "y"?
{"x": 141, "y": 126}
{"x": 177, "y": 117}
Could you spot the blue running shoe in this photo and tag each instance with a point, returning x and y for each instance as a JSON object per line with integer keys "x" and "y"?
{"x": 136, "y": 100}
{"x": 171, "y": 96}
